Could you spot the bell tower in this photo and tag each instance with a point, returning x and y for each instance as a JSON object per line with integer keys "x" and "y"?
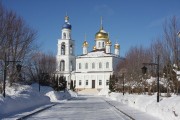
{"x": 65, "y": 57}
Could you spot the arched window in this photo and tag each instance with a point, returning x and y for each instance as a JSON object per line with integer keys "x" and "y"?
{"x": 107, "y": 82}
{"x": 103, "y": 44}
{"x": 100, "y": 82}
{"x": 86, "y": 66}
{"x": 79, "y": 65}
{"x": 62, "y": 65}
{"x": 63, "y": 48}
{"x": 64, "y": 35}
{"x": 80, "y": 82}
{"x": 107, "y": 64}
{"x": 71, "y": 49}
{"x": 71, "y": 66}
{"x": 93, "y": 65}
{"x": 100, "y": 65}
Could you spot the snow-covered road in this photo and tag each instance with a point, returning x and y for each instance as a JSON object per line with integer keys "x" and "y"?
{"x": 82, "y": 108}
{"x": 91, "y": 108}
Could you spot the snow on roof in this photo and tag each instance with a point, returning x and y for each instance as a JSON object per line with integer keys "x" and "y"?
{"x": 96, "y": 54}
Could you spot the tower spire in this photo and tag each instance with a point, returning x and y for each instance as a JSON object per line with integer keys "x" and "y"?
{"x": 85, "y": 37}
{"x": 66, "y": 17}
{"x": 101, "y": 27}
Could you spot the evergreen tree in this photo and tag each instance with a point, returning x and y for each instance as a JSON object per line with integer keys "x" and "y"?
{"x": 112, "y": 83}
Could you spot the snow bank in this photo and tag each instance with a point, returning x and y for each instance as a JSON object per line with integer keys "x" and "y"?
{"x": 61, "y": 95}
{"x": 166, "y": 109}
{"x": 21, "y": 98}
{"x": 104, "y": 91}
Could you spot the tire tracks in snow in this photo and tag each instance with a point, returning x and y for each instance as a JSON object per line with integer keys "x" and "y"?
{"x": 120, "y": 110}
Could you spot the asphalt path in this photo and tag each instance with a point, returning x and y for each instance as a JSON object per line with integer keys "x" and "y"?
{"x": 82, "y": 108}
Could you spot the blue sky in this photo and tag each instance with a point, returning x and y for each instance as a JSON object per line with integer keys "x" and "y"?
{"x": 129, "y": 22}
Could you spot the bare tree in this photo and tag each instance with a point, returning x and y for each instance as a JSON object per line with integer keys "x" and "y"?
{"x": 40, "y": 64}
{"x": 170, "y": 30}
{"x": 16, "y": 39}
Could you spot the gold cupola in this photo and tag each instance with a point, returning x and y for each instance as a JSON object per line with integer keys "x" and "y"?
{"x": 101, "y": 34}
{"x": 94, "y": 48}
{"x": 85, "y": 43}
{"x": 116, "y": 46}
{"x": 108, "y": 43}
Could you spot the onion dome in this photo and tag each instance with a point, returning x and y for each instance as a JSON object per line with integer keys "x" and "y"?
{"x": 116, "y": 46}
{"x": 108, "y": 43}
{"x": 85, "y": 44}
{"x": 66, "y": 25}
{"x": 102, "y": 34}
{"x": 94, "y": 48}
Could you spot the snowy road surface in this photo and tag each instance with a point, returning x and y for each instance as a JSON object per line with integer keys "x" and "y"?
{"x": 82, "y": 108}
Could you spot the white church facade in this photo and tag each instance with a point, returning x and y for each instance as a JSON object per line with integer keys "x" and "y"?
{"x": 92, "y": 69}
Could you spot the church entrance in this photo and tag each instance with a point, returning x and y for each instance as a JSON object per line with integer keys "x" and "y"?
{"x": 93, "y": 83}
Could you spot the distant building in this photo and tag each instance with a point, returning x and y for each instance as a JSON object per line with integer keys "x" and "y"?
{"x": 91, "y": 69}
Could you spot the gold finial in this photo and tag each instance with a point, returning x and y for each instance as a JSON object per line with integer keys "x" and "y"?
{"x": 66, "y": 17}
{"x": 116, "y": 46}
{"x": 108, "y": 42}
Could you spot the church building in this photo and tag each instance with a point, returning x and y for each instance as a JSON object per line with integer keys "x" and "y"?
{"x": 91, "y": 69}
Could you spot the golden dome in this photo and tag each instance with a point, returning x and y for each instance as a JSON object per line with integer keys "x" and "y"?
{"x": 101, "y": 35}
{"x": 94, "y": 48}
{"x": 108, "y": 42}
{"x": 116, "y": 46}
{"x": 85, "y": 44}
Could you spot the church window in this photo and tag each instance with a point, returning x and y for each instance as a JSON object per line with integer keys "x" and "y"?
{"x": 100, "y": 82}
{"x": 93, "y": 65}
{"x": 86, "y": 82}
{"x": 79, "y": 65}
{"x": 71, "y": 50}
{"x": 62, "y": 65}
{"x": 64, "y": 35}
{"x": 80, "y": 82}
{"x": 74, "y": 82}
{"x": 107, "y": 64}
{"x": 86, "y": 66}
{"x": 63, "y": 49}
{"x": 71, "y": 66}
{"x": 100, "y": 65}
{"x": 107, "y": 82}
{"x": 103, "y": 44}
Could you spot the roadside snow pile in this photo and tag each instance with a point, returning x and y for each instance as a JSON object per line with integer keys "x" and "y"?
{"x": 21, "y": 98}
{"x": 61, "y": 95}
{"x": 104, "y": 91}
{"x": 167, "y": 109}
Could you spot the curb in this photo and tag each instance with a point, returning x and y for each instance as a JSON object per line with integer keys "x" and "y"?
{"x": 26, "y": 116}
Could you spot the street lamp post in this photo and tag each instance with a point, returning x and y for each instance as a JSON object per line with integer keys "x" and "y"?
{"x": 122, "y": 72}
{"x": 123, "y": 83}
{"x": 144, "y": 70}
